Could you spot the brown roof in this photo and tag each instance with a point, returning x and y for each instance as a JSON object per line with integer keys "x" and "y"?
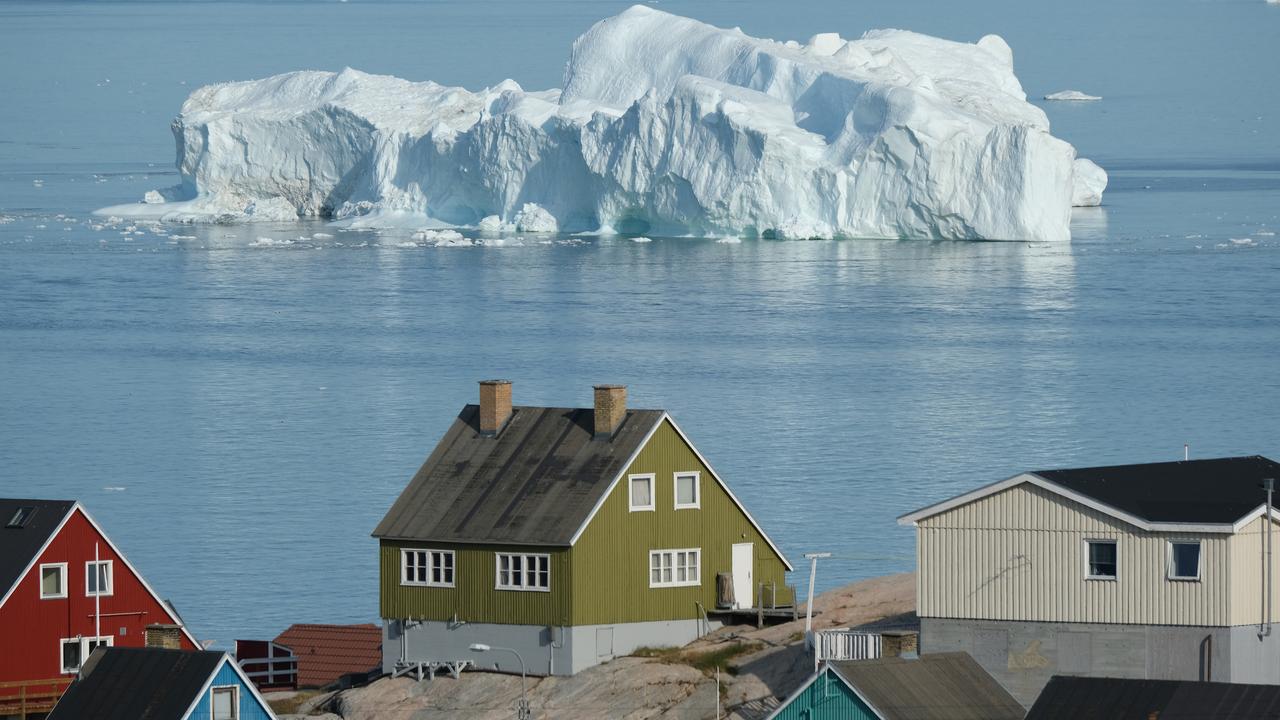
{"x": 940, "y": 686}
{"x": 327, "y": 652}
{"x": 535, "y": 483}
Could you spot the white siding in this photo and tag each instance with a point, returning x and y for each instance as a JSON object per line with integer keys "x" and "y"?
{"x": 1020, "y": 555}
{"x": 1246, "y": 548}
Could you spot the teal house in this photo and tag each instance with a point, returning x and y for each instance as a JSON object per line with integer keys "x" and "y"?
{"x": 946, "y": 686}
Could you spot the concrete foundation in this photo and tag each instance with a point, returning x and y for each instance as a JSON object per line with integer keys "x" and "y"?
{"x": 1022, "y": 656}
{"x": 545, "y": 650}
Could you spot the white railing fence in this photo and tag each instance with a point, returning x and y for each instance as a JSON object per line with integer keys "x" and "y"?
{"x": 844, "y": 644}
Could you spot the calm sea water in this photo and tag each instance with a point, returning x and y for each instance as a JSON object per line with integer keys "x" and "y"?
{"x": 240, "y": 412}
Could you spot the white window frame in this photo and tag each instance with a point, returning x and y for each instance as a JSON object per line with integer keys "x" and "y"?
{"x": 653, "y": 492}
{"x": 1172, "y": 566}
{"x": 1088, "y": 564}
{"x": 697, "y": 552}
{"x": 62, "y": 568}
{"x": 697, "y": 489}
{"x": 235, "y": 700}
{"x": 83, "y": 643}
{"x": 111, "y": 578}
{"x": 431, "y": 556}
{"x": 524, "y": 570}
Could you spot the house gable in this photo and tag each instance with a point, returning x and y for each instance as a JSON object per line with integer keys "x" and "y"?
{"x": 611, "y": 555}
{"x": 39, "y": 625}
{"x": 826, "y": 696}
{"x": 252, "y": 706}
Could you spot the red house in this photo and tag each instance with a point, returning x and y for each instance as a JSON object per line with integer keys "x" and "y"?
{"x": 66, "y": 590}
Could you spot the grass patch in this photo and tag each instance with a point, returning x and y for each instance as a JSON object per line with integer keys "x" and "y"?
{"x": 291, "y": 705}
{"x": 706, "y": 662}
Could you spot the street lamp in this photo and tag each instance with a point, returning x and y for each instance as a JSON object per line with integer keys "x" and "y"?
{"x": 522, "y": 712}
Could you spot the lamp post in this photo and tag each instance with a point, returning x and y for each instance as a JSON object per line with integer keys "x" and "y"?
{"x": 522, "y": 712}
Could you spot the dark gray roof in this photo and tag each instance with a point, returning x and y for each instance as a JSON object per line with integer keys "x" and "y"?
{"x": 1218, "y": 490}
{"x": 1081, "y": 698}
{"x": 19, "y": 545}
{"x": 535, "y": 483}
{"x": 941, "y": 686}
{"x": 137, "y": 684}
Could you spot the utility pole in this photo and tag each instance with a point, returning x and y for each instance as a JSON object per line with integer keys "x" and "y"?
{"x": 813, "y": 572}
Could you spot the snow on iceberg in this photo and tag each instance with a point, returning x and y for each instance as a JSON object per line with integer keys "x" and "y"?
{"x": 665, "y": 125}
{"x": 1090, "y": 181}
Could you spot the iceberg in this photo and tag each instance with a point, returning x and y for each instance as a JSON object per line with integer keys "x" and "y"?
{"x": 1090, "y": 181}
{"x": 1072, "y": 96}
{"x": 664, "y": 125}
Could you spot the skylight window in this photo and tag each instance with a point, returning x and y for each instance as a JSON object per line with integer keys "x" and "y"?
{"x": 21, "y": 517}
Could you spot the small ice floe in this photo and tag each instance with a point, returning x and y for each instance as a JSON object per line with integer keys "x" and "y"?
{"x": 182, "y": 237}
{"x": 38, "y": 183}
{"x": 114, "y": 488}
{"x": 153, "y": 197}
{"x": 270, "y": 242}
{"x": 729, "y": 241}
{"x": 442, "y": 238}
{"x": 641, "y": 239}
{"x": 1267, "y": 233}
{"x": 41, "y": 227}
{"x": 1243, "y": 241}
{"x": 1072, "y": 96}
{"x": 321, "y": 236}
{"x": 6, "y": 219}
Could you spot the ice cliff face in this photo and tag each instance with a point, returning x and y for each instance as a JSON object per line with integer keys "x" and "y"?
{"x": 665, "y": 125}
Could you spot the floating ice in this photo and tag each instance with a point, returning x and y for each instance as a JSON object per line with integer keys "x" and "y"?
{"x": 1072, "y": 95}
{"x": 641, "y": 239}
{"x": 153, "y": 197}
{"x": 665, "y": 125}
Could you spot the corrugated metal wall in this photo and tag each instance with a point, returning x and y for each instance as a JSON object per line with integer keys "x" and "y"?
{"x": 1020, "y": 555}
{"x": 826, "y": 699}
{"x": 1247, "y": 552}
{"x": 611, "y": 559}
{"x": 474, "y": 597}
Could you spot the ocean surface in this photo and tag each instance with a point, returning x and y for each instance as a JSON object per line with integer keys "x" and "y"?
{"x": 239, "y": 405}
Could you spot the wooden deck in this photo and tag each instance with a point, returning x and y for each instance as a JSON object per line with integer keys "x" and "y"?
{"x": 31, "y": 696}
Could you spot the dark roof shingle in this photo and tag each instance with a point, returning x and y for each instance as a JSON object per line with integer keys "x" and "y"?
{"x": 533, "y": 484}
{"x": 19, "y": 545}
{"x": 940, "y": 686}
{"x": 137, "y": 684}
{"x": 1086, "y": 698}
{"x": 327, "y": 652}
{"x": 1218, "y": 490}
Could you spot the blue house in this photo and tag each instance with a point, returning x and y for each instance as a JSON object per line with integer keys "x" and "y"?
{"x": 945, "y": 686}
{"x": 160, "y": 684}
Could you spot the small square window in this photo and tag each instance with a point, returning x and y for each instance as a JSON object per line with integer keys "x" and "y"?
{"x": 688, "y": 493}
{"x": 225, "y": 703}
{"x": 433, "y": 568}
{"x": 1184, "y": 560}
{"x": 640, "y": 490}
{"x": 524, "y": 572}
{"x": 71, "y": 655}
{"x": 53, "y": 581}
{"x": 1102, "y": 560}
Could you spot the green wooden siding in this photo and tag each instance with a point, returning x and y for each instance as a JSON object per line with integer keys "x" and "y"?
{"x": 611, "y": 558}
{"x": 827, "y": 698}
{"x": 474, "y": 597}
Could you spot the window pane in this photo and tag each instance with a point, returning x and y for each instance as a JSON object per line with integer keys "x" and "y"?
{"x": 51, "y": 581}
{"x": 224, "y": 704}
{"x": 693, "y": 566}
{"x": 71, "y": 654}
{"x": 641, "y": 492}
{"x": 686, "y": 490}
{"x": 1102, "y": 559}
{"x": 1186, "y": 559}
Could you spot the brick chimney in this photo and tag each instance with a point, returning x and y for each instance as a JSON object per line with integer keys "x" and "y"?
{"x": 611, "y": 407}
{"x": 159, "y": 635}
{"x": 495, "y": 405}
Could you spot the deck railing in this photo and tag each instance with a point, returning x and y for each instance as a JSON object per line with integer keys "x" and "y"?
{"x": 271, "y": 671}
{"x": 844, "y": 644}
{"x": 31, "y": 696}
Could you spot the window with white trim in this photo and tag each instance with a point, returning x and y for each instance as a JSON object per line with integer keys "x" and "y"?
{"x": 523, "y": 572}
{"x": 1101, "y": 563}
{"x": 74, "y": 651}
{"x": 430, "y": 568}
{"x": 1184, "y": 559}
{"x": 675, "y": 568}
{"x": 97, "y": 578}
{"x": 224, "y": 703}
{"x": 688, "y": 490}
{"x": 53, "y": 581}
{"x": 640, "y": 492}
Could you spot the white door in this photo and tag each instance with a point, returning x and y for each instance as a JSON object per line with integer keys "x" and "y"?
{"x": 743, "y": 576}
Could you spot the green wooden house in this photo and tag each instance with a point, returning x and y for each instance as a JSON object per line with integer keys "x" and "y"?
{"x": 944, "y": 686}
{"x": 571, "y": 535}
